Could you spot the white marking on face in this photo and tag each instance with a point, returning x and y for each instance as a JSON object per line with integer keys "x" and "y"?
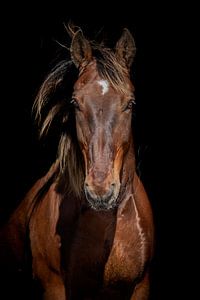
{"x": 104, "y": 85}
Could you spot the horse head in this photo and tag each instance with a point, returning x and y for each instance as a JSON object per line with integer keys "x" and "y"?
{"x": 103, "y": 98}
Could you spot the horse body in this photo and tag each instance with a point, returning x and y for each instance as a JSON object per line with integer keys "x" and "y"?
{"x": 97, "y": 244}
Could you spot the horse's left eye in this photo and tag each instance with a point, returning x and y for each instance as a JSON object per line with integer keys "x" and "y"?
{"x": 130, "y": 104}
{"x": 75, "y": 103}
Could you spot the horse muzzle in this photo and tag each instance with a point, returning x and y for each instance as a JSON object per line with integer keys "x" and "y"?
{"x": 101, "y": 199}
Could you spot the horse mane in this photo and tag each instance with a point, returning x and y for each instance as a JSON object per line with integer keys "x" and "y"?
{"x": 53, "y": 105}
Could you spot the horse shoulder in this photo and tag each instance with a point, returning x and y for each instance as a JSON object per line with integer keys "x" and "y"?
{"x": 132, "y": 245}
{"x": 44, "y": 241}
{"x": 13, "y": 234}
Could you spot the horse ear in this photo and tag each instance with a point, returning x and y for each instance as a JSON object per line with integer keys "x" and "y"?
{"x": 125, "y": 48}
{"x": 81, "y": 50}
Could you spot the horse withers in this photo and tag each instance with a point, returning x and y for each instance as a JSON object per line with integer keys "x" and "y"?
{"x": 87, "y": 224}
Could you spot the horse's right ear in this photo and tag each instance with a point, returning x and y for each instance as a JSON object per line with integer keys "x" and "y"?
{"x": 80, "y": 49}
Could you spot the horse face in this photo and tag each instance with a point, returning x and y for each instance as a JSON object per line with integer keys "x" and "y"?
{"x": 103, "y": 121}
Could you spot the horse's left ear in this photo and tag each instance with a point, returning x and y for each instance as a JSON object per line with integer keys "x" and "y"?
{"x": 125, "y": 48}
{"x": 81, "y": 50}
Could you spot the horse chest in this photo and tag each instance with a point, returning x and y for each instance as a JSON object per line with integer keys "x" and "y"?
{"x": 127, "y": 258}
{"x": 89, "y": 251}
{"x": 129, "y": 252}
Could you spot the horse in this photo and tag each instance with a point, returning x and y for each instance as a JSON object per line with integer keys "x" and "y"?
{"x": 86, "y": 227}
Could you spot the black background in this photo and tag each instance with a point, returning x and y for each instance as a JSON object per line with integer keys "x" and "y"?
{"x": 29, "y": 50}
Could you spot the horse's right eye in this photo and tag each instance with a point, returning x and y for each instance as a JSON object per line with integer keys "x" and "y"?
{"x": 75, "y": 103}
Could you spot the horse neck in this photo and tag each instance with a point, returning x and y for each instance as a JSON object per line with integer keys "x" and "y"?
{"x": 128, "y": 168}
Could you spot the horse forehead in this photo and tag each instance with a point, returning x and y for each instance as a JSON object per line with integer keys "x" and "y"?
{"x": 93, "y": 84}
{"x": 90, "y": 82}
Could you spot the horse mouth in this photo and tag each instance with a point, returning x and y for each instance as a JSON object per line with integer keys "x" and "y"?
{"x": 102, "y": 203}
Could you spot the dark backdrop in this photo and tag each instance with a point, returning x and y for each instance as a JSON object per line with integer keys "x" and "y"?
{"x": 29, "y": 34}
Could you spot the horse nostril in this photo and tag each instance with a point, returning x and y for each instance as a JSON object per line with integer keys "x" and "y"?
{"x": 88, "y": 189}
{"x": 113, "y": 185}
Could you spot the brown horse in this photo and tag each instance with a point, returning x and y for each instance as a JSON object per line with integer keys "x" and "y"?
{"x": 88, "y": 221}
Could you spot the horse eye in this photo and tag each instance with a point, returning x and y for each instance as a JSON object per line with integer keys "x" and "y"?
{"x": 75, "y": 103}
{"x": 130, "y": 104}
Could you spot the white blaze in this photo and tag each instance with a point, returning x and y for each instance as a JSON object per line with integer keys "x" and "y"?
{"x": 104, "y": 85}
